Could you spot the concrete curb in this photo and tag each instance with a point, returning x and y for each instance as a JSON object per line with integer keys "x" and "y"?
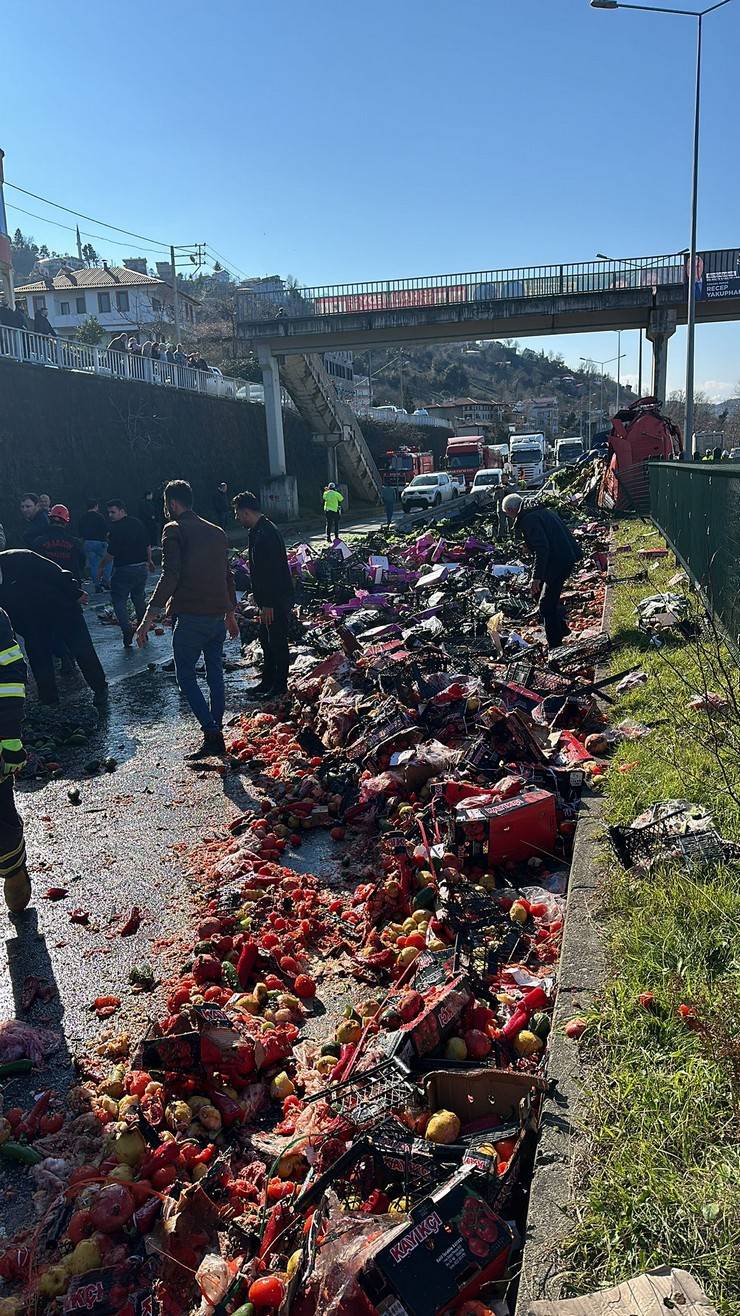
{"x": 564, "y": 1140}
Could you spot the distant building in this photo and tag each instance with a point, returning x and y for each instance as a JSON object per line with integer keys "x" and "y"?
{"x": 542, "y": 414}
{"x": 471, "y": 415}
{"x": 51, "y": 265}
{"x": 120, "y": 297}
{"x": 340, "y": 367}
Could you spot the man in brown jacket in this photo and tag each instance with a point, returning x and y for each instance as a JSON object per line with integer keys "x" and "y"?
{"x": 197, "y": 588}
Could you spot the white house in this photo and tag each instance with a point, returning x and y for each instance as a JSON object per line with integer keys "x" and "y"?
{"x": 120, "y": 297}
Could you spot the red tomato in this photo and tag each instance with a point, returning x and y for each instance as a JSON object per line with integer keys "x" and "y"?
{"x": 14, "y": 1116}
{"x": 304, "y": 986}
{"x": 270, "y": 940}
{"x": 279, "y": 1188}
{"x": 273, "y": 984}
{"x": 79, "y": 1227}
{"x": 267, "y": 1292}
{"x": 289, "y": 965}
{"x": 164, "y": 1177}
{"x": 51, "y": 1123}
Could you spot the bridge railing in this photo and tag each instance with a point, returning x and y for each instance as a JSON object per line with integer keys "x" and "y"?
{"x": 534, "y": 281}
{"x": 64, "y": 354}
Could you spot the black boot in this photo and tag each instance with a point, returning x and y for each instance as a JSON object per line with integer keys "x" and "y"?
{"x": 213, "y": 746}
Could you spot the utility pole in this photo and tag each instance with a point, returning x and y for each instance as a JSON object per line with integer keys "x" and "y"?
{"x": 175, "y": 298}
{"x": 639, "y": 369}
{"x": 400, "y": 375}
{"x": 619, "y": 366}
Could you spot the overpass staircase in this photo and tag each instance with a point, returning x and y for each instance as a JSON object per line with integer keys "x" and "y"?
{"x": 331, "y": 421}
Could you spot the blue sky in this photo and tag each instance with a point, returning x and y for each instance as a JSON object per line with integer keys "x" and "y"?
{"x": 339, "y": 141}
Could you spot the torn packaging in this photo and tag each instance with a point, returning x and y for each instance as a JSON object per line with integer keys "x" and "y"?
{"x": 452, "y": 1245}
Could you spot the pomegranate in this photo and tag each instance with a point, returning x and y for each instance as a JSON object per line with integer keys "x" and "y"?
{"x": 112, "y": 1209}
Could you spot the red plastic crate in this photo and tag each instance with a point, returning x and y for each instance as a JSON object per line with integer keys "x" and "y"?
{"x": 515, "y": 830}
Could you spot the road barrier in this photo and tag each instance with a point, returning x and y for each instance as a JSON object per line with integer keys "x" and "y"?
{"x": 696, "y": 506}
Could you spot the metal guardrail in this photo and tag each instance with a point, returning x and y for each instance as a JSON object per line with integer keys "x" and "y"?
{"x": 64, "y": 354}
{"x": 696, "y": 506}
{"x": 450, "y": 289}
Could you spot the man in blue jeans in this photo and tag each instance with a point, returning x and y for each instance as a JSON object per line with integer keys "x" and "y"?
{"x": 197, "y": 588}
{"x": 93, "y": 531}
{"x": 131, "y": 554}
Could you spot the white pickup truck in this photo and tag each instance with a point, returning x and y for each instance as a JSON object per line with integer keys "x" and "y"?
{"x": 431, "y": 490}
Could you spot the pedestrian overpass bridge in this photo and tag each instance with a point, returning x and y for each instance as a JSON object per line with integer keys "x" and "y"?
{"x": 648, "y": 292}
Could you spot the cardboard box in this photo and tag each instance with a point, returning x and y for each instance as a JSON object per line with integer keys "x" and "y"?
{"x": 452, "y": 1245}
{"x": 443, "y": 1007}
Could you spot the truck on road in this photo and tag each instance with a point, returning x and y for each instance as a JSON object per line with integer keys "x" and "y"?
{"x": 403, "y": 464}
{"x": 568, "y": 450}
{"x": 528, "y": 459}
{"x": 431, "y": 490}
{"x": 468, "y": 453}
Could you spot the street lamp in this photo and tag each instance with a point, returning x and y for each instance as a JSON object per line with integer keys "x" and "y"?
{"x": 699, "y": 15}
{"x": 592, "y": 362}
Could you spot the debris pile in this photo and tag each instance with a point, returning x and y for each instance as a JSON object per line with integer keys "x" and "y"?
{"x": 336, "y": 1110}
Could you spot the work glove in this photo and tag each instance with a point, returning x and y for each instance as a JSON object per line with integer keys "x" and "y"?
{"x": 12, "y": 757}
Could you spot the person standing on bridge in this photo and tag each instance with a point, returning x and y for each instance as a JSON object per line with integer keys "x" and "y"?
{"x": 555, "y": 554}
{"x": 272, "y": 588}
{"x": 197, "y": 588}
{"x": 333, "y": 500}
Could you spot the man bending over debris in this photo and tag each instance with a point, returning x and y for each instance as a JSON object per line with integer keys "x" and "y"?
{"x": 555, "y": 553}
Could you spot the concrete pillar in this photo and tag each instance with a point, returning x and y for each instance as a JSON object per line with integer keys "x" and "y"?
{"x": 273, "y": 411}
{"x": 279, "y": 498}
{"x": 661, "y": 326}
{"x": 331, "y": 464}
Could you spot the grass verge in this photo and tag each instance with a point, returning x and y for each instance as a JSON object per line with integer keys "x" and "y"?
{"x": 663, "y": 1175}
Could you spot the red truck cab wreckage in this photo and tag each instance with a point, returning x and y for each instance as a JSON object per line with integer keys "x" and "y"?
{"x": 639, "y": 432}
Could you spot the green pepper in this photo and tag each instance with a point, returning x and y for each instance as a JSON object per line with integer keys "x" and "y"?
{"x": 230, "y": 974}
{"x": 12, "y": 1067}
{"x": 22, "y": 1155}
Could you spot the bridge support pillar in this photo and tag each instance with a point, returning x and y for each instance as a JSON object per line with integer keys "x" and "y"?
{"x": 661, "y": 326}
{"x": 273, "y": 411}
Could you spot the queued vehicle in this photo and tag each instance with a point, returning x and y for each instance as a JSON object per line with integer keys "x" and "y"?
{"x": 402, "y": 464}
{"x": 468, "y": 453}
{"x": 568, "y": 450}
{"x": 431, "y": 490}
{"x": 486, "y": 481}
{"x": 528, "y": 459}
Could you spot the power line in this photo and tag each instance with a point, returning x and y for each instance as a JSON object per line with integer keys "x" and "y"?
{"x": 229, "y": 264}
{"x": 103, "y": 224}
{"x": 72, "y": 228}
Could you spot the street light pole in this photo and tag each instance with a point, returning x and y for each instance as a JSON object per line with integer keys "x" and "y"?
{"x": 699, "y": 15}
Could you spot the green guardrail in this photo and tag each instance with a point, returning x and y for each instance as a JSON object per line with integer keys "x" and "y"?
{"x": 696, "y": 505}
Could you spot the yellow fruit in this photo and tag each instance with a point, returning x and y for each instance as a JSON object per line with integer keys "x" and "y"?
{"x": 408, "y": 926}
{"x": 177, "y": 1115}
{"x": 108, "y": 1105}
{"x": 11, "y": 1306}
{"x": 398, "y": 1206}
{"x": 443, "y": 1127}
{"x": 128, "y": 1146}
{"x": 368, "y": 1009}
{"x": 86, "y": 1256}
{"x": 122, "y": 1174}
{"x": 348, "y": 1031}
{"x": 248, "y": 1004}
{"x": 127, "y": 1105}
{"x": 420, "y": 916}
{"x": 281, "y": 1087}
{"x": 456, "y": 1049}
{"x": 288, "y": 1002}
{"x": 5, "y": 1131}
{"x": 325, "y": 1064}
{"x": 54, "y": 1281}
{"x": 198, "y": 1172}
{"x": 113, "y": 1084}
{"x": 527, "y": 1044}
{"x": 294, "y": 1262}
{"x": 435, "y": 944}
{"x": 196, "y": 1102}
{"x": 518, "y": 913}
{"x": 261, "y": 992}
{"x": 407, "y": 956}
{"x": 210, "y": 1118}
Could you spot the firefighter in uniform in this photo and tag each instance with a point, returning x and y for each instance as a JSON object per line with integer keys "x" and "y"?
{"x": 16, "y": 882}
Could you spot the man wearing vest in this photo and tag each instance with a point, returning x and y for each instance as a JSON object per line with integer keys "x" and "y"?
{"x": 332, "y": 507}
{"x": 16, "y": 883}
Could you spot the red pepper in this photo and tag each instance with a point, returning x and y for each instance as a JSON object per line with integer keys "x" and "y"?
{"x": 536, "y": 999}
{"x": 30, "y": 1125}
{"x": 277, "y": 1221}
{"x": 247, "y": 963}
{"x": 515, "y": 1024}
{"x": 165, "y": 1154}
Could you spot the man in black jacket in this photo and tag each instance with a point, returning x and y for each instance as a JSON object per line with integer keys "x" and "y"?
{"x": 555, "y": 553}
{"x": 16, "y": 884}
{"x": 35, "y": 517}
{"x": 272, "y": 587}
{"x": 43, "y": 603}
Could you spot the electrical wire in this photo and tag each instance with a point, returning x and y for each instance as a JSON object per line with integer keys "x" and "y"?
{"x": 72, "y": 228}
{"x": 235, "y": 268}
{"x": 103, "y": 223}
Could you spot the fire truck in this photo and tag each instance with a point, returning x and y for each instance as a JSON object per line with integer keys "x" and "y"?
{"x": 402, "y": 464}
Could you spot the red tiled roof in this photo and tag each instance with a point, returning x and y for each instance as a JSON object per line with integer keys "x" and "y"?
{"x": 115, "y": 276}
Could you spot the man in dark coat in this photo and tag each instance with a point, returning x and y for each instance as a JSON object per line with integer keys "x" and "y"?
{"x": 221, "y": 506}
{"x": 555, "y": 553}
{"x": 272, "y": 588}
{"x": 16, "y": 884}
{"x": 43, "y": 603}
